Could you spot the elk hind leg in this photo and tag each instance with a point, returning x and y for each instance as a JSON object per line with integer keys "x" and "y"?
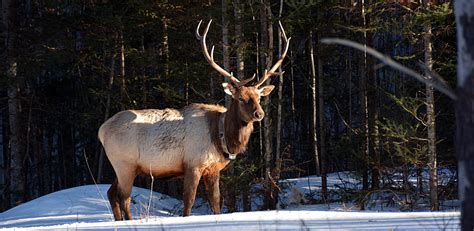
{"x": 125, "y": 189}
{"x": 120, "y": 191}
{"x": 114, "y": 200}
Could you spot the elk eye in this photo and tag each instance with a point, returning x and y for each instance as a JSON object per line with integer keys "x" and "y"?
{"x": 241, "y": 99}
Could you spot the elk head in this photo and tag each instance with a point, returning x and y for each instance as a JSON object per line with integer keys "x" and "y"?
{"x": 247, "y": 98}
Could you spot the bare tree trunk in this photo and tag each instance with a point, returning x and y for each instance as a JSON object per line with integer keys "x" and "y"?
{"x": 419, "y": 179}
{"x": 225, "y": 44}
{"x": 257, "y": 71}
{"x": 3, "y": 164}
{"x": 49, "y": 152}
{"x": 106, "y": 114}
{"x": 123, "y": 90}
{"x": 230, "y": 187}
{"x": 431, "y": 120}
{"x": 314, "y": 105}
{"x": 406, "y": 184}
{"x": 144, "y": 75}
{"x": 278, "y": 159}
{"x": 17, "y": 187}
{"x": 238, "y": 39}
{"x": 165, "y": 48}
{"x": 373, "y": 98}
{"x": 240, "y": 75}
{"x": 45, "y": 169}
{"x": 364, "y": 109}
{"x": 293, "y": 108}
{"x": 267, "y": 45}
{"x": 464, "y": 11}
{"x": 322, "y": 131}
{"x": 28, "y": 158}
{"x": 186, "y": 87}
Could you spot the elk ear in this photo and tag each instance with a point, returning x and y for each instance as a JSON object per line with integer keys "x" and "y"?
{"x": 264, "y": 91}
{"x": 229, "y": 89}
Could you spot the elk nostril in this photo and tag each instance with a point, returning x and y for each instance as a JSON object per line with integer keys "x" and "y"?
{"x": 259, "y": 114}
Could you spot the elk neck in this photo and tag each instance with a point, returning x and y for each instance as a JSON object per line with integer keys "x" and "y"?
{"x": 236, "y": 130}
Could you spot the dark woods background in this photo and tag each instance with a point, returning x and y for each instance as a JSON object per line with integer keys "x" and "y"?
{"x": 67, "y": 66}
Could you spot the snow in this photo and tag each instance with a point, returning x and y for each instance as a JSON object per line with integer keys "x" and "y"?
{"x": 87, "y": 208}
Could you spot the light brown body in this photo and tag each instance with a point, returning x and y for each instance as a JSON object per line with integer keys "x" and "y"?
{"x": 164, "y": 143}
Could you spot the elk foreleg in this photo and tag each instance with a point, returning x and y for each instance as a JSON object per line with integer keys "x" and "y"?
{"x": 212, "y": 187}
{"x": 191, "y": 182}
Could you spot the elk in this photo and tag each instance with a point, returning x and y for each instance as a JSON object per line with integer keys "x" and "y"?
{"x": 196, "y": 141}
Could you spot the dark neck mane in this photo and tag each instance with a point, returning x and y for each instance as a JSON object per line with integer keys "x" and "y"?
{"x": 237, "y": 131}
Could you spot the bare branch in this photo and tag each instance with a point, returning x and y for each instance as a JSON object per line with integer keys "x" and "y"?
{"x": 436, "y": 81}
{"x": 343, "y": 120}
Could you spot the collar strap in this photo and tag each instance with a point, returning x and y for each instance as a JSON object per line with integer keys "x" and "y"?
{"x": 230, "y": 156}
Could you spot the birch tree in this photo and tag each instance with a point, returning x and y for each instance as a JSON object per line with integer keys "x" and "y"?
{"x": 314, "y": 105}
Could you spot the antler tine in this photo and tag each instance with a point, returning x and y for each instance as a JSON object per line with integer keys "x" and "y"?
{"x": 279, "y": 62}
{"x": 198, "y": 36}
{"x": 282, "y": 31}
{"x": 210, "y": 57}
{"x": 245, "y": 81}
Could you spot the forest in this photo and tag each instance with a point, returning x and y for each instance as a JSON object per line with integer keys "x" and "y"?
{"x": 68, "y": 66}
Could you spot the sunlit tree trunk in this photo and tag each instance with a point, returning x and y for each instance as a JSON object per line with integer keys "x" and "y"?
{"x": 364, "y": 107}
{"x": 123, "y": 87}
{"x": 165, "y": 47}
{"x": 431, "y": 119}
{"x": 464, "y": 11}
{"x": 294, "y": 120}
{"x": 314, "y": 105}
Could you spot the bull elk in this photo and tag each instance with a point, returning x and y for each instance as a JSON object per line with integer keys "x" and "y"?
{"x": 197, "y": 140}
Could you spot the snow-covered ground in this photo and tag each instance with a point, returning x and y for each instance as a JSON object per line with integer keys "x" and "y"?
{"x": 86, "y": 207}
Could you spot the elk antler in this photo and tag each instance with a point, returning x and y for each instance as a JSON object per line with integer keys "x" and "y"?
{"x": 279, "y": 62}
{"x": 210, "y": 58}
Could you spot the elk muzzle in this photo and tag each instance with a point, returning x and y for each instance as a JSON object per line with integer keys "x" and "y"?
{"x": 258, "y": 115}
